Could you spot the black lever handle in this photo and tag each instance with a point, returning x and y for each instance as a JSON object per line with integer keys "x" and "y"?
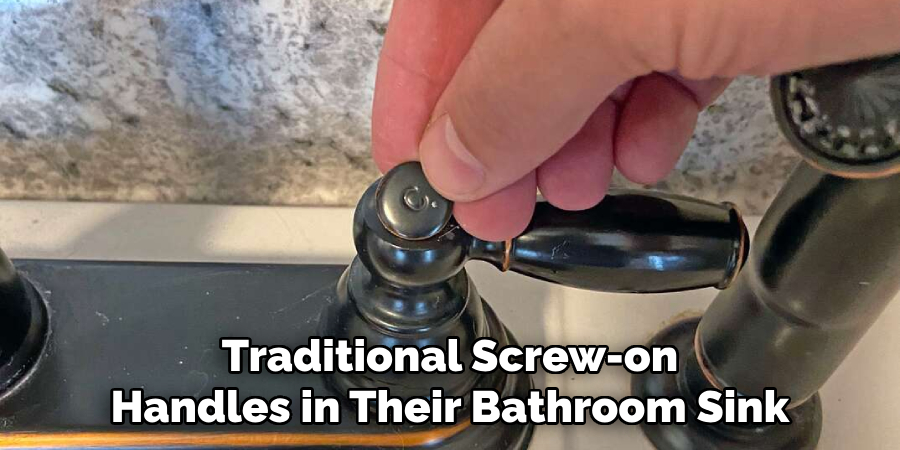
{"x": 632, "y": 241}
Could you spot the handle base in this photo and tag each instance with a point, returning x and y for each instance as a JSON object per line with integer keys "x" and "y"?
{"x": 23, "y": 328}
{"x": 802, "y": 434}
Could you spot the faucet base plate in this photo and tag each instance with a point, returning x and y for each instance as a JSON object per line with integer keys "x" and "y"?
{"x": 157, "y": 326}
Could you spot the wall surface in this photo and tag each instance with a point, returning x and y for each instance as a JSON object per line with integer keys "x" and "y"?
{"x": 254, "y": 102}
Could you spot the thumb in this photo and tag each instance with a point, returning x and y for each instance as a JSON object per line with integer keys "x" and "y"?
{"x": 538, "y": 70}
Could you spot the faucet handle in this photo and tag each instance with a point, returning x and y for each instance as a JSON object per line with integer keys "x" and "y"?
{"x": 633, "y": 241}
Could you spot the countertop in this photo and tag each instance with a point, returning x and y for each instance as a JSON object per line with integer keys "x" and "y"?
{"x": 255, "y": 102}
{"x": 859, "y": 401}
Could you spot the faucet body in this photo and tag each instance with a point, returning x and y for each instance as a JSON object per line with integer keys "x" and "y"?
{"x": 825, "y": 264}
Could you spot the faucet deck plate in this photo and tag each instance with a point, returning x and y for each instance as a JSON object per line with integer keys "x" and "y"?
{"x": 157, "y": 326}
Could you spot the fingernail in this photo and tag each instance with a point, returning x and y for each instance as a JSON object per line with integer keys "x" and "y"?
{"x": 449, "y": 165}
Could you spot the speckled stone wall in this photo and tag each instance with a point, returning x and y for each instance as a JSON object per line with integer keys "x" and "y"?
{"x": 253, "y": 102}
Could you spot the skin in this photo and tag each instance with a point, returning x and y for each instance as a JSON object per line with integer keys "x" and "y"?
{"x": 498, "y": 99}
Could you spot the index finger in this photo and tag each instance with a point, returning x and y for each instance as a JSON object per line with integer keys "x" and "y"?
{"x": 425, "y": 43}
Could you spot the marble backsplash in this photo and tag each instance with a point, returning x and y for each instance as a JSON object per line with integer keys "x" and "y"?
{"x": 254, "y": 102}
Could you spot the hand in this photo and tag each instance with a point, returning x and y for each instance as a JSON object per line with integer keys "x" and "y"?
{"x": 497, "y": 99}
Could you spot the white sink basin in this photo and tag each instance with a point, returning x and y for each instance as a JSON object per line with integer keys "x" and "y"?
{"x": 860, "y": 401}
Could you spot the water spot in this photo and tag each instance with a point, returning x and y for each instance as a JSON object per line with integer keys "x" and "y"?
{"x": 197, "y": 381}
{"x": 104, "y": 320}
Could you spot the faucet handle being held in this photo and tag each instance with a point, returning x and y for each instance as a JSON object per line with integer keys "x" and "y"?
{"x": 633, "y": 241}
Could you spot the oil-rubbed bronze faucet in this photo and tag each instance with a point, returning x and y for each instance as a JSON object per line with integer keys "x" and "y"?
{"x": 408, "y": 285}
{"x": 825, "y": 263}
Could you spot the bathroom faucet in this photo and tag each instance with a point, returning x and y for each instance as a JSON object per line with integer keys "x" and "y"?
{"x": 824, "y": 265}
